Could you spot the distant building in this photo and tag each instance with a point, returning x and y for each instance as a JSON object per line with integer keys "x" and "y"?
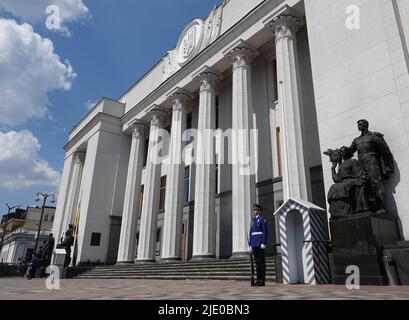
{"x": 21, "y": 230}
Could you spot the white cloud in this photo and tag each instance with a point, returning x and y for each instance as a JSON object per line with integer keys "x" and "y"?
{"x": 35, "y": 11}
{"x": 21, "y": 165}
{"x": 29, "y": 69}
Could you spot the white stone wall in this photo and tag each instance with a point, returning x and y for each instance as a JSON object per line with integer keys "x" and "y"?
{"x": 120, "y": 176}
{"x": 97, "y": 188}
{"x": 362, "y": 74}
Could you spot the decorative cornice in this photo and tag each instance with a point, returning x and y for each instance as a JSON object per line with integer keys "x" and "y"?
{"x": 99, "y": 118}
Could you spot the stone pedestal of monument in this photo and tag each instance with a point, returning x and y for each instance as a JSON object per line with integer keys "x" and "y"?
{"x": 59, "y": 261}
{"x": 360, "y": 240}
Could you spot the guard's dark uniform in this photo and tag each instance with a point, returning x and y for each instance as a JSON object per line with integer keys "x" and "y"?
{"x": 258, "y": 237}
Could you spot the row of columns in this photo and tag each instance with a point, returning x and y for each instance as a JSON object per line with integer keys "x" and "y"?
{"x": 73, "y": 192}
{"x": 243, "y": 186}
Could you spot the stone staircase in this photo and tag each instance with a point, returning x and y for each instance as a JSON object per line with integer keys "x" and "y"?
{"x": 204, "y": 270}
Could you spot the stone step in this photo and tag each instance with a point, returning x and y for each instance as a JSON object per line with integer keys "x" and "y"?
{"x": 199, "y": 270}
{"x": 214, "y": 267}
{"x": 177, "y": 277}
{"x": 149, "y": 272}
{"x": 185, "y": 269}
{"x": 240, "y": 263}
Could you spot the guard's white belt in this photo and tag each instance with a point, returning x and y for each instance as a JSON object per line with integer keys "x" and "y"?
{"x": 256, "y": 233}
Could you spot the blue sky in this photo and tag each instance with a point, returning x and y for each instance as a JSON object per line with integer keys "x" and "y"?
{"x": 102, "y": 49}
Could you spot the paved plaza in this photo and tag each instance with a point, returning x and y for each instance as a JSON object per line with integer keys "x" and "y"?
{"x": 22, "y": 289}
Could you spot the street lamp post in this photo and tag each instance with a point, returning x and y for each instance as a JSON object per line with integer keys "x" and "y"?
{"x": 45, "y": 196}
{"x": 5, "y": 223}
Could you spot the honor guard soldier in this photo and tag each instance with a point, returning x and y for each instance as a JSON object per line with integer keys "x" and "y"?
{"x": 258, "y": 241}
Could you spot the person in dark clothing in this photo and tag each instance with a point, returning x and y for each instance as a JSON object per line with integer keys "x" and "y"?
{"x": 32, "y": 266}
{"x": 258, "y": 241}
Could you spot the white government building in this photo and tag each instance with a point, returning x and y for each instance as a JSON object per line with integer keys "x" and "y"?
{"x": 300, "y": 72}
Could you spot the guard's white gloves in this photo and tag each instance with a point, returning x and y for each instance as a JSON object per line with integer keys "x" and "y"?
{"x": 250, "y": 249}
{"x": 263, "y": 246}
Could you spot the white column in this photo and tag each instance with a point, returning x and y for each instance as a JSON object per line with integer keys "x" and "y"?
{"x": 172, "y": 224}
{"x": 60, "y": 211}
{"x": 150, "y": 206}
{"x": 294, "y": 175}
{"x": 127, "y": 239}
{"x": 204, "y": 211}
{"x": 73, "y": 191}
{"x": 243, "y": 178}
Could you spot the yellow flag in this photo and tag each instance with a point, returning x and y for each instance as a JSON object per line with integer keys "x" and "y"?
{"x": 77, "y": 220}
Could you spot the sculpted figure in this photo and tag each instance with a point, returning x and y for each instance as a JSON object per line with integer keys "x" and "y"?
{"x": 377, "y": 160}
{"x": 349, "y": 194}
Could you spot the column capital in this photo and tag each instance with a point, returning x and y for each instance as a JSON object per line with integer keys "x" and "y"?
{"x": 79, "y": 156}
{"x": 157, "y": 116}
{"x": 241, "y": 56}
{"x": 286, "y": 25}
{"x": 207, "y": 78}
{"x": 140, "y": 129}
{"x": 180, "y": 99}
{"x": 241, "y": 53}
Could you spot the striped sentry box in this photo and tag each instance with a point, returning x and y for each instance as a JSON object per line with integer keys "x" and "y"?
{"x": 301, "y": 227}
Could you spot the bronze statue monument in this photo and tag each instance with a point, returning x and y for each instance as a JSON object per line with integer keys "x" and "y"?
{"x": 360, "y": 227}
{"x": 359, "y": 184}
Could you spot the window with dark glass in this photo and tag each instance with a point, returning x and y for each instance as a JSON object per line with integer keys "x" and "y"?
{"x": 189, "y": 126}
{"x": 217, "y": 112}
{"x": 141, "y": 202}
{"x": 216, "y": 175}
{"x": 278, "y": 139}
{"x": 95, "y": 239}
{"x": 275, "y": 81}
{"x": 162, "y": 193}
{"x": 186, "y": 181}
{"x": 145, "y": 152}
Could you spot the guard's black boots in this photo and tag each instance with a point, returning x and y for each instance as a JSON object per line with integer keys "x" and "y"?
{"x": 260, "y": 283}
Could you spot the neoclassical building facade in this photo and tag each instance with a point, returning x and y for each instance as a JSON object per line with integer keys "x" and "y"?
{"x": 291, "y": 76}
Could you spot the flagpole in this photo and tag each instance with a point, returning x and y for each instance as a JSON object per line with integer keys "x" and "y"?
{"x": 76, "y": 227}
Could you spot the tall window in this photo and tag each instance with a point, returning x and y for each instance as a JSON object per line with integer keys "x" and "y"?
{"x": 140, "y": 202}
{"x": 275, "y": 80}
{"x": 216, "y": 180}
{"x": 186, "y": 181}
{"x": 162, "y": 193}
{"x": 278, "y": 139}
{"x": 145, "y": 152}
{"x": 189, "y": 126}
{"x": 217, "y": 112}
